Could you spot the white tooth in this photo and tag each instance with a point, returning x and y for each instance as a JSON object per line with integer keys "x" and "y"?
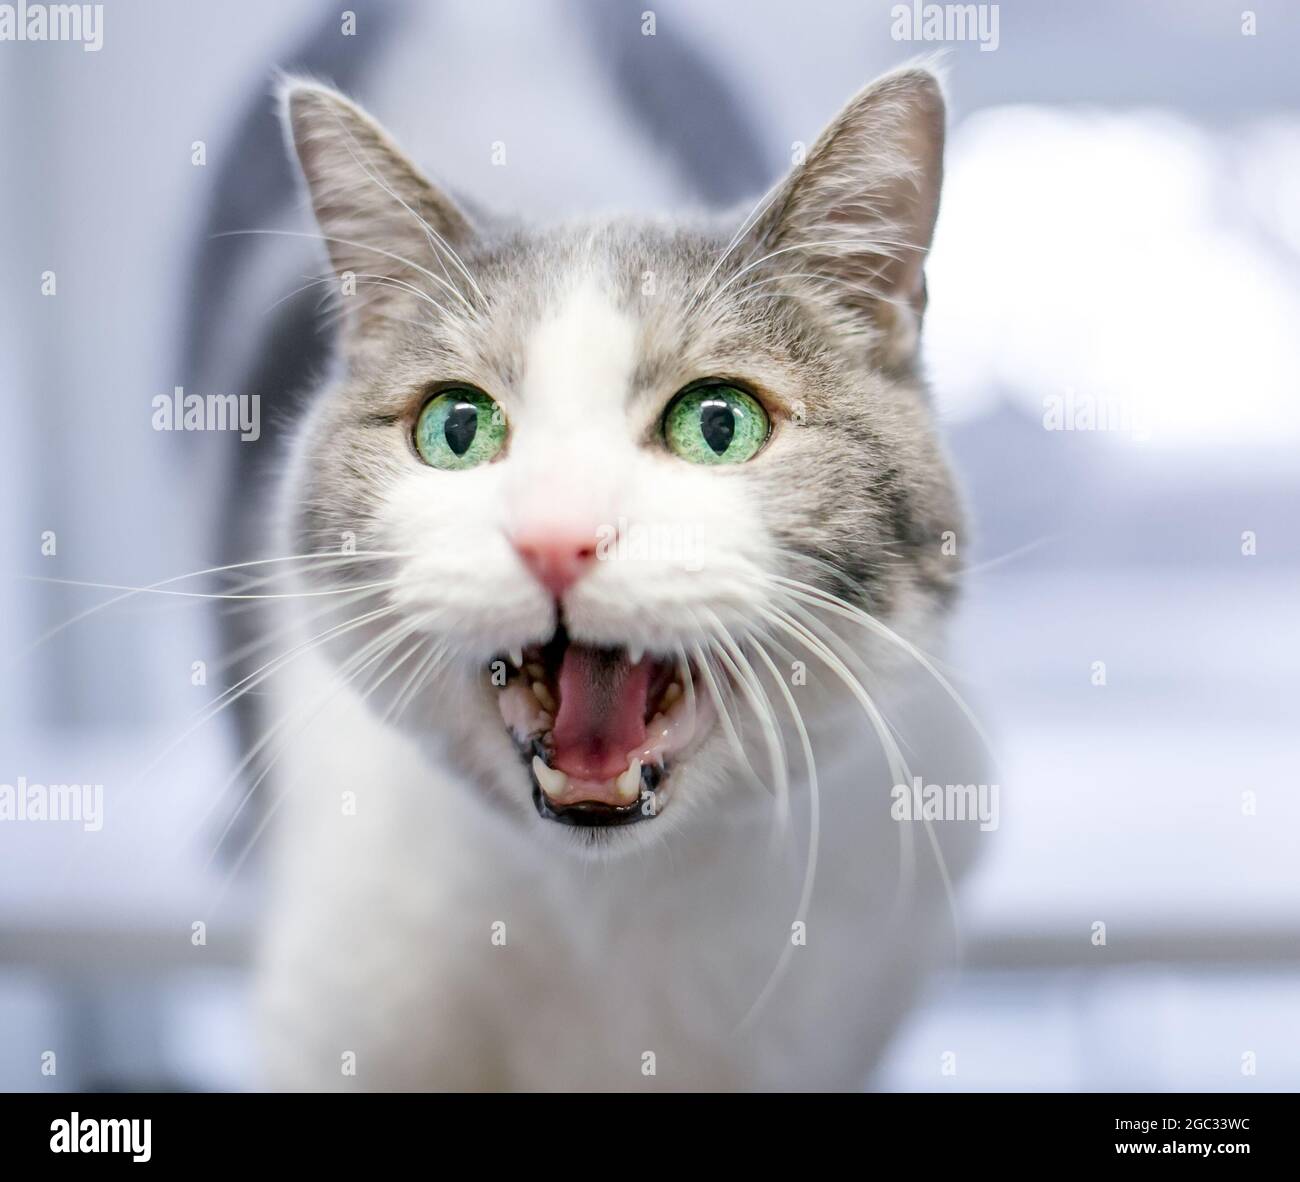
{"x": 543, "y": 695}
{"x": 635, "y": 653}
{"x": 553, "y": 782}
{"x": 656, "y": 723}
{"x": 629, "y": 783}
{"x": 516, "y": 656}
{"x": 671, "y": 694}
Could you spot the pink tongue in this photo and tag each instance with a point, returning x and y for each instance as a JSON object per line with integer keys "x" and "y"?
{"x": 602, "y": 712}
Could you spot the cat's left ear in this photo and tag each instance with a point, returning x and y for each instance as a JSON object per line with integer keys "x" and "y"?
{"x": 859, "y": 212}
{"x": 383, "y": 222}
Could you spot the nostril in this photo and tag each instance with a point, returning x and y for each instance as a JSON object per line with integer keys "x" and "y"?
{"x": 556, "y": 559}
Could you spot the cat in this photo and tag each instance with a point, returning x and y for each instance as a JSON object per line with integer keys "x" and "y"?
{"x": 627, "y": 543}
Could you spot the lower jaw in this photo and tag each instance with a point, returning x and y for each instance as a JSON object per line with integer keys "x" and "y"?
{"x": 591, "y": 815}
{"x": 655, "y": 790}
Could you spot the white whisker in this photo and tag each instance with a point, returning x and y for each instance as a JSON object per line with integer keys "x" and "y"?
{"x": 270, "y": 812}
{"x": 211, "y": 570}
{"x": 814, "y": 840}
{"x": 743, "y": 674}
{"x": 205, "y": 594}
{"x": 232, "y": 694}
{"x": 724, "y": 716}
{"x": 375, "y": 649}
{"x": 898, "y": 767}
{"x": 833, "y": 603}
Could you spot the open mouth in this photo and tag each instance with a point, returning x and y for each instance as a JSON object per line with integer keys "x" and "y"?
{"x": 599, "y": 728}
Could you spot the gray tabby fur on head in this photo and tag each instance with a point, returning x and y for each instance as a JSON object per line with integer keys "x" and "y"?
{"x": 583, "y": 334}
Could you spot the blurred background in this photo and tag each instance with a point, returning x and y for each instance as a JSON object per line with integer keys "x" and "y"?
{"x": 1118, "y": 254}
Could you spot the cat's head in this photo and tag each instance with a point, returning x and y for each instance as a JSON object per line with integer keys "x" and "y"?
{"x": 613, "y": 486}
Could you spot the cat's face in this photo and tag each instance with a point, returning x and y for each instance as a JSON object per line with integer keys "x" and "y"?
{"x": 603, "y": 473}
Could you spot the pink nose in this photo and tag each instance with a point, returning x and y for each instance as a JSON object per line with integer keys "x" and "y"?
{"x": 557, "y": 559}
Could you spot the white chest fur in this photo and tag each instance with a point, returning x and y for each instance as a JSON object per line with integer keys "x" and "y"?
{"x": 442, "y": 946}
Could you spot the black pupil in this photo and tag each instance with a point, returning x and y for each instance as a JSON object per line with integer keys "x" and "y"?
{"x": 717, "y": 424}
{"x": 461, "y": 427}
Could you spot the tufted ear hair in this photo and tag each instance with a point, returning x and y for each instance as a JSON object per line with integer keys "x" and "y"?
{"x": 859, "y": 212}
{"x": 385, "y": 225}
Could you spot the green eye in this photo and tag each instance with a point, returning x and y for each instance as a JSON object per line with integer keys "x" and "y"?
{"x": 715, "y": 425}
{"x": 459, "y": 428}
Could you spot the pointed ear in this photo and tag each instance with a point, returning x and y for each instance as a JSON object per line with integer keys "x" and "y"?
{"x": 381, "y": 219}
{"x": 860, "y": 211}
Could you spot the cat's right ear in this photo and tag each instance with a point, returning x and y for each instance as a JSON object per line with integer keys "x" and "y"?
{"x": 384, "y": 224}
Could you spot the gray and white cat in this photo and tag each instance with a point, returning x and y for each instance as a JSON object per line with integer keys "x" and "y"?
{"x": 619, "y": 531}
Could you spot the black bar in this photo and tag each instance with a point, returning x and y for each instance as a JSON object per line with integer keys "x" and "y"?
{"x": 362, "y": 1131}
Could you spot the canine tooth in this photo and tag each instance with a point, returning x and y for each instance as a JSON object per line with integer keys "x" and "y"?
{"x": 553, "y": 782}
{"x": 516, "y": 656}
{"x": 543, "y": 695}
{"x": 671, "y": 694}
{"x": 634, "y": 653}
{"x": 656, "y": 722}
{"x": 534, "y": 670}
{"x": 629, "y": 783}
